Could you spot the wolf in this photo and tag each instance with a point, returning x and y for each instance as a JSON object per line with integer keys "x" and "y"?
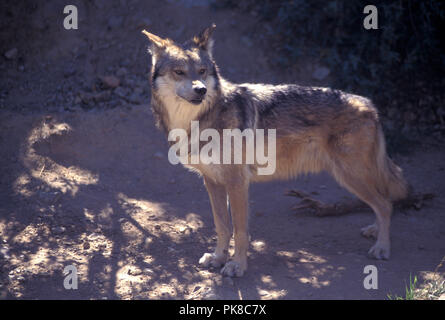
{"x": 316, "y": 129}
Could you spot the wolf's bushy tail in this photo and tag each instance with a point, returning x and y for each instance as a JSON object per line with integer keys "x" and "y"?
{"x": 391, "y": 184}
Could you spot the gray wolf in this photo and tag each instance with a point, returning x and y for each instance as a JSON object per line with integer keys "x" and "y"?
{"x": 316, "y": 129}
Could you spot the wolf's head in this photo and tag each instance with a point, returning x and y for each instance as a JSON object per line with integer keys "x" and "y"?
{"x": 184, "y": 71}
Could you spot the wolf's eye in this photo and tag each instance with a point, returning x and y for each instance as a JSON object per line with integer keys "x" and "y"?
{"x": 202, "y": 71}
{"x": 179, "y": 72}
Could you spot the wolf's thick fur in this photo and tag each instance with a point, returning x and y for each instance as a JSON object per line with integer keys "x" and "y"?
{"x": 316, "y": 129}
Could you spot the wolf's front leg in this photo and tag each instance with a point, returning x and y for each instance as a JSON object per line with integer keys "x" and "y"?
{"x": 218, "y": 200}
{"x": 238, "y": 197}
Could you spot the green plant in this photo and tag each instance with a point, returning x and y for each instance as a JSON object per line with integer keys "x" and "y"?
{"x": 410, "y": 291}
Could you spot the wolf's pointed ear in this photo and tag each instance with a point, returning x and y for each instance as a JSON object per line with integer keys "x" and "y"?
{"x": 204, "y": 40}
{"x": 158, "y": 44}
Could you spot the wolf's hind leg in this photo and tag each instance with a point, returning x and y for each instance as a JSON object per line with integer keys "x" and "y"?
{"x": 218, "y": 200}
{"x": 356, "y": 179}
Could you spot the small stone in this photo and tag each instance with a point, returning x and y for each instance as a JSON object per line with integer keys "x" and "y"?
{"x": 442, "y": 296}
{"x": 59, "y": 230}
{"x": 148, "y": 271}
{"x": 157, "y": 227}
{"x": 11, "y": 54}
{"x": 86, "y": 245}
{"x": 320, "y": 73}
{"x": 110, "y": 81}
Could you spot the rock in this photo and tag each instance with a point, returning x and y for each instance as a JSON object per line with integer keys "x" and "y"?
{"x": 59, "y": 230}
{"x": 148, "y": 271}
{"x": 320, "y": 73}
{"x": 11, "y": 54}
{"x": 110, "y": 81}
{"x": 442, "y": 296}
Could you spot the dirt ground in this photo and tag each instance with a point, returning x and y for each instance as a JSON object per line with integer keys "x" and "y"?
{"x": 85, "y": 179}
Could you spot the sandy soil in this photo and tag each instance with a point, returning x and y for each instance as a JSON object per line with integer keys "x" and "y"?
{"x": 85, "y": 179}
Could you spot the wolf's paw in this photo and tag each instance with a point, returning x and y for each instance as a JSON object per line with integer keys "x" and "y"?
{"x": 233, "y": 269}
{"x": 379, "y": 251}
{"x": 370, "y": 231}
{"x": 211, "y": 259}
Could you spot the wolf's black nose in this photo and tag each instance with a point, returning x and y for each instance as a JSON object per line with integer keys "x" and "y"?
{"x": 201, "y": 90}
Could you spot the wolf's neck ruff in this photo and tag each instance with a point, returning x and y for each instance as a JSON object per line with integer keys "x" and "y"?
{"x": 179, "y": 112}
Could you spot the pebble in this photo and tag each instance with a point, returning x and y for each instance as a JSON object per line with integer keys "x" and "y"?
{"x": 148, "y": 271}
{"x": 110, "y": 81}
{"x": 59, "y": 230}
{"x": 11, "y": 54}
{"x": 320, "y": 73}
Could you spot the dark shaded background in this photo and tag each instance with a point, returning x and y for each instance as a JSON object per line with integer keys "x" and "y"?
{"x": 85, "y": 180}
